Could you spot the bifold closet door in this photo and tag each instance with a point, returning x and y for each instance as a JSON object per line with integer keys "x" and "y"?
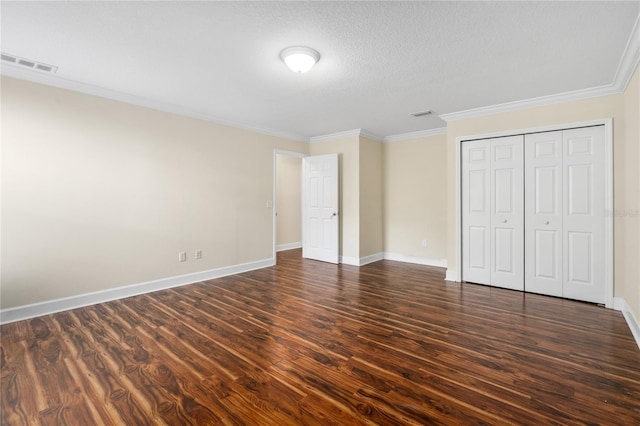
{"x": 543, "y": 216}
{"x": 507, "y": 212}
{"x": 584, "y": 210}
{"x": 564, "y": 219}
{"x": 476, "y": 213}
{"x": 493, "y": 212}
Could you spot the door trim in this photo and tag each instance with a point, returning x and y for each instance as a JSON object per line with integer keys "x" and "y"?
{"x": 274, "y": 195}
{"x": 608, "y": 192}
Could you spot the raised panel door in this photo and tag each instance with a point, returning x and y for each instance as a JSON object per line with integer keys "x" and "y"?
{"x": 543, "y": 213}
{"x": 320, "y": 208}
{"x": 507, "y": 214}
{"x": 583, "y": 208}
{"x": 476, "y": 211}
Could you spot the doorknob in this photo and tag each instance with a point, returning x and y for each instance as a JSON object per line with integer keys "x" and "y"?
{"x": 505, "y": 221}
{"x": 546, "y": 222}
{"x": 334, "y": 214}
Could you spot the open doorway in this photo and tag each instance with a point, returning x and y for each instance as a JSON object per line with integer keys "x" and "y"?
{"x": 287, "y": 221}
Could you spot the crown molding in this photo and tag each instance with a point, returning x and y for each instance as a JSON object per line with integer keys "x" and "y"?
{"x": 415, "y": 135}
{"x": 14, "y": 71}
{"x": 531, "y": 103}
{"x": 369, "y": 135}
{"x": 354, "y": 132}
{"x": 337, "y": 135}
{"x": 630, "y": 59}
{"x": 627, "y": 66}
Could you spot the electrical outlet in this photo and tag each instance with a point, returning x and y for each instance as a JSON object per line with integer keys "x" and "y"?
{"x": 182, "y": 256}
{"x": 198, "y": 254}
{"x": 424, "y": 243}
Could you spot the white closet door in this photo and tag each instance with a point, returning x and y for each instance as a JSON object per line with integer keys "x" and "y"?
{"x": 533, "y": 213}
{"x": 476, "y": 214}
{"x": 507, "y": 212}
{"x": 543, "y": 216}
{"x": 583, "y": 230}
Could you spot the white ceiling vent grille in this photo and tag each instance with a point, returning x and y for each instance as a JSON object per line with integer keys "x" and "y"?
{"x": 28, "y": 63}
{"x": 421, "y": 113}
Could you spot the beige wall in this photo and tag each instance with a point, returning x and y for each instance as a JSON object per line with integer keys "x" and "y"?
{"x": 625, "y": 147}
{"x": 349, "y": 169}
{"x": 371, "y": 208}
{"x": 627, "y": 219}
{"x": 289, "y": 199}
{"x": 415, "y": 198}
{"x": 99, "y": 194}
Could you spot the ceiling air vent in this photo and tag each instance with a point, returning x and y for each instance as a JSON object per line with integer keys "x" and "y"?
{"x": 421, "y": 113}
{"x": 28, "y": 63}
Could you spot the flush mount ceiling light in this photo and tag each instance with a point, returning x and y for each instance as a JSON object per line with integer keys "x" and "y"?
{"x": 299, "y": 58}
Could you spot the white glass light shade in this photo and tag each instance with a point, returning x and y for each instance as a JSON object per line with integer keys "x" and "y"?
{"x": 299, "y": 59}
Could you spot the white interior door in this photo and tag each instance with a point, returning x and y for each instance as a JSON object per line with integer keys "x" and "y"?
{"x": 320, "y": 231}
{"x": 476, "y": 211}
{"x": 583, "y": 229}
{"x": 507, "y": 212}
{"x": 543, "y": 216}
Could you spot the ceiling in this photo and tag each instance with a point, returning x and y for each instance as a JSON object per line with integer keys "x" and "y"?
{"x": 380, "y": 61}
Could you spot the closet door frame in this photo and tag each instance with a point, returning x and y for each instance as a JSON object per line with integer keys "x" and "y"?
{"x": 456, "y": 275}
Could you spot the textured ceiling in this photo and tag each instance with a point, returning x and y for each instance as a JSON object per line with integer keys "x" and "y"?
{"x": 379, "y": 61}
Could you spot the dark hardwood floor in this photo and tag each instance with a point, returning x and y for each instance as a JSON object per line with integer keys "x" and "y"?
{"x": 312, "y": 343}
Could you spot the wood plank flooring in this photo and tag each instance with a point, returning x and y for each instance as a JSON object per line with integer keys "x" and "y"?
{"x": 318, "y": 344}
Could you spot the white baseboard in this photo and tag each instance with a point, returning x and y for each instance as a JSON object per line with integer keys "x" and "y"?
{"x": 361, "y": 261}
{"x": 442, "y": 263}
{"x": 52, "y": 306}
{"x": 353, "y": 261}
{"x": 451, "y": 275}
{"x": 371, "y": 258}
{"x": 620, "y": 304}
{"x": 290, "y": 246}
